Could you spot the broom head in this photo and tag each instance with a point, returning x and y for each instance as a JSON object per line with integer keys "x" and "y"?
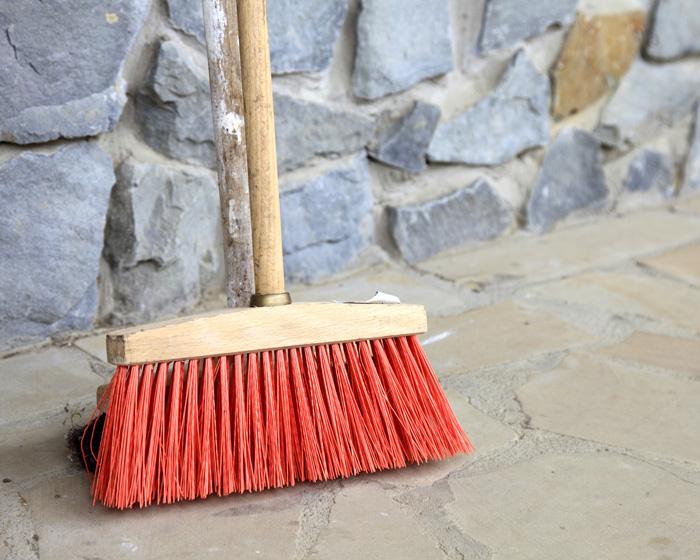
{"x": 248, "y": 399}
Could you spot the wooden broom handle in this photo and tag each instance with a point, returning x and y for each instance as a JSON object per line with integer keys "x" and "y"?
{"x": 262, "y": 156}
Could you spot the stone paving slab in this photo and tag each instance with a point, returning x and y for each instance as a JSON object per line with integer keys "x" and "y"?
{"x": 249, "y": 526}
{"x": 96, "y": 346}
{"x": 637, "y": 294}
{"x": 493, "y": 335}
{"x": 438, "y": 297}
{"x": 486, "y": 434}
{"x": 569, "y": 250}
{"x": 592, "y": 398}
{"x": 683, "y": 264}
{"x": 692, "y": 206}
{"x": 579, "y": 507}
{"x": 43, "y": 382}
{"x": 366, "y": 523}
{"x": 678, "y": 354}
{"x": 28, "y": 452}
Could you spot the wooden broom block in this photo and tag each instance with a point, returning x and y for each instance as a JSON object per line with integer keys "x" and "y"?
{"x": 243, "y": 330}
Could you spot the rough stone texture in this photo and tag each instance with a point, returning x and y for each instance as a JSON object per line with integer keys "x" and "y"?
{"x": 571, "y": 178}
{"x": 598, "y": 52}
{"x": 188, "y": 16}
{"x": 400, "y": 43}
{"x": 528, "y": 333}
{"x": 472, "y": 214}
{"x": 691, "y": 175}
{"x": 590, "y": 398}
{"x": 514, "y": 118}
{"x": 683, "y": 263}
{"x": 366, "y": 523}
{"x": 507, "y": 22}
{"x": 659, "y": 299}
{"x": 239, "y": 526}
{"x": 649, "y": 98}
{"x": 163, "y": 240}
{"x": 651, "y": 171}
{"x": 173, "y": 107}
{"x": 579, "y": 507}
{"x": 62, "y": 65}
{"x": 326, "y": 220}
{"x": 678, "y": 354}
{"x": 304, "y": 129}
{"x": 303, "y": 34}
{"x": 675, "y": 29}
{"x": 52, "y": 216}
{"x": 58, "y": 376}
{"x": 562, "y": 252}
{"x": 404, "y": 143}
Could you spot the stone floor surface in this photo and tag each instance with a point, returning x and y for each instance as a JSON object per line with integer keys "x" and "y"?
{"x": 571, "y": 359}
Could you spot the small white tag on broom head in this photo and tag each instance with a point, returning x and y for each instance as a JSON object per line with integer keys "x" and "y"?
{"x": 379, "y": 297}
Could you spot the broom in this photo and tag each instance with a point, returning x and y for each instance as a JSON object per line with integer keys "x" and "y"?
{"x": 248, "y": 399}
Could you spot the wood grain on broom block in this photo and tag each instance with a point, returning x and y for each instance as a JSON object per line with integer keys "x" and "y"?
{"x": 238, "y": 331}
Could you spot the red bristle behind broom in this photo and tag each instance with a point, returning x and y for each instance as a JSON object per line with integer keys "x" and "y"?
{"x": 247, "y": 423}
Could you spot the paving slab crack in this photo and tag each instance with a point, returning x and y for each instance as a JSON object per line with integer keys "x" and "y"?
{"x": 315, "y": 515}
{"x": 426, "y": 505}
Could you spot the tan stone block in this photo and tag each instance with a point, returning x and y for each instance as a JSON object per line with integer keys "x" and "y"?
{"x": 247, "y": 526}
{"x": 598, "y": 52}
{"x": 366, "y": 523}
{"x": 682, "y": 263}
{"x": 591, "y": 398}
{"x": 493, "y": 335}
{"x": 658, "y": 298}
{"x": 438, "y": 297}
{"x": 568, "y": 250}
{"x": 44, "y": 381}
{"x": 679, "y": 354}
{"x": 579, "y": 507}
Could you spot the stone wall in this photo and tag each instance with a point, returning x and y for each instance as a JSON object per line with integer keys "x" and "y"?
{"x": 404, "y": 127}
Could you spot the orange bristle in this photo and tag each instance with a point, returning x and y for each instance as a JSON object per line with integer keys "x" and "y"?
{"x": 270, "y": 419}
{"x": 223, "y": 419}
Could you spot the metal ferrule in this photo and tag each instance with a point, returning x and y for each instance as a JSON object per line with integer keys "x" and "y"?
{"x": 270, "y": 300}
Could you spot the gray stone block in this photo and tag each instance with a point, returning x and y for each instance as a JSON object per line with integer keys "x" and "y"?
{"x": 61, "y": 66}
{"x": 52, "y": 217}
{"x": 472, "y": 214}
{"x": 675, "y": 29}
{"x": 303, "y": 34}
{"x": 163, "y": 240}
{"x": 326, "y": 220}
{"x": 651, "y": 170}
{"x": 691, "y": 175}
{"x": 404, "y": 143}
{"x": 514, "y": 118}
{"x": 304, "y": 129}
{"x": 188, "y": 16}
{"x": 571, "y": 178}
{"x": 507, "y": 22}
{"x": 649, "y": 98}
{"x": 174, "y": 106}
{"x": 400, "y": 43}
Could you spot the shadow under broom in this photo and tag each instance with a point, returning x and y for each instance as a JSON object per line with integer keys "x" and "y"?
{"x": 248, "y": 399}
